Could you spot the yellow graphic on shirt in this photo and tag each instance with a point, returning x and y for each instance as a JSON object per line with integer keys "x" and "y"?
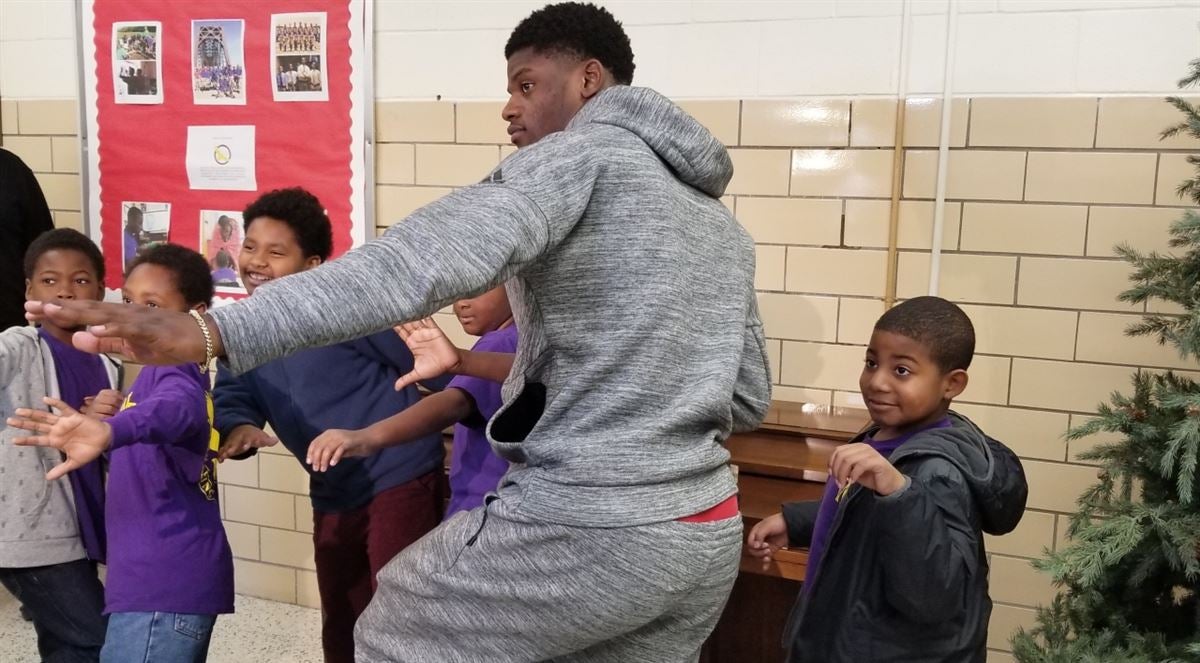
{"x": 208, "y": 472}
{"x": 208, "y": 475}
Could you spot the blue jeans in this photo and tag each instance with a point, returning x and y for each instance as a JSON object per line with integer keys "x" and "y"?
{"x": 66, "y": 602}
{"x": 157, "y": 637}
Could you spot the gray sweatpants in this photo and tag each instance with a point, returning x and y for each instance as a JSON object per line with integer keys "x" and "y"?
{"x": 488, "y": 585}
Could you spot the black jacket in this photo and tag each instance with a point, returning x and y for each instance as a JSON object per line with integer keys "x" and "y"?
{"x": 904, "y": 577}
{"x": 23, "y": 216}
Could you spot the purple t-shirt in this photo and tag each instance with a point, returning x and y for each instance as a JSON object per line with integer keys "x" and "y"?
{"x": 829, "y": 504}
{"x": 167, "y": 550}
{"x": 82, "y": 375}
{"x": 475, "y": 470}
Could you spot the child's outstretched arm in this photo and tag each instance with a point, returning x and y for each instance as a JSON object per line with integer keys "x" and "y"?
{"x": 434, "y": 355}
{"x": 80, "y": 437}
{"x": 104, "y": 404}
{"x": 430, "y": 415}
{"x": 238, "y": 417}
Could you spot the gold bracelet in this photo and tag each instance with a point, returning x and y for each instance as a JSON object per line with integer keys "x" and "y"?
{"x": 208, "y": 341}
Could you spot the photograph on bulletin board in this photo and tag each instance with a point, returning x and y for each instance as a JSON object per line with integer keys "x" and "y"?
{"x": 298, "y": 56}
{"x": 218, "y": 62}
{"x": 146, "y": 224}
{"x": 221, "y": 244}
{"x": 135, "y": 62}
{"x": 188, "y": 120}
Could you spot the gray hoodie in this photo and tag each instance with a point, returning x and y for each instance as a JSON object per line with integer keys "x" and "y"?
{"x": 632, "y": 287}
{"x": 37, "y": 517}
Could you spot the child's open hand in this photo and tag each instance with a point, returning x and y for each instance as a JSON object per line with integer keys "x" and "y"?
{"x": 104, "y": 404}
{"x": 433, "y": 353}
{"x": 860, "y": 463}
{"x": 769, "y": 535}
{"x": 242, "y": 439}
{"x": 334, "y": 444}
{"x": 77, "y": 435}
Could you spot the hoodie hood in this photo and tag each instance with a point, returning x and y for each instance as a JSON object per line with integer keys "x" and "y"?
{"x": 992, "y": 471}
{"x": 691, "y": 151}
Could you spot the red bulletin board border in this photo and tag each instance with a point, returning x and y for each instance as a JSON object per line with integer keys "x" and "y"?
{"x": 137, "y": 152}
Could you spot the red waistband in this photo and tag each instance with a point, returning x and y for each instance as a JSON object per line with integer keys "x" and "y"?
{"x": 728, "y": 508}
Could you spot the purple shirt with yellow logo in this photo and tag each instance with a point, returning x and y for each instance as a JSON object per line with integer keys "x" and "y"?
{"x": 167, "y": 550}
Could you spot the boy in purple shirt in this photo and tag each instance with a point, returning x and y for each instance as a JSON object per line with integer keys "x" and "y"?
{"x": 170, "y": 571}
{"x": 897, "y": 569}
{"x": 468, "y": 402}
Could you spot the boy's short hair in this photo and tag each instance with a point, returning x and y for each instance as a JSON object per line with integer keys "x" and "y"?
{"x": 134, "y": 211}
{"x": 302, "y": 212}
{"x": 937, "y": 324}
{"x": 574, "y": 28}
{"x": 63, "y": 239}
{"x": 193, "y": 279}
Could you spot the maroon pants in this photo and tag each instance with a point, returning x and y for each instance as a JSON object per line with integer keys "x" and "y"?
{"x": 352, "y": 546}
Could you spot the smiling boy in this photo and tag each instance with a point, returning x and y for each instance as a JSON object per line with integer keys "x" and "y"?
{"x": 896, "y": 566}
{"x": 366, "y": 509}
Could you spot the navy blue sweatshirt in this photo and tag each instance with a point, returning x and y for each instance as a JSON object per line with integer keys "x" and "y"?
{"x": 348, "y": 385}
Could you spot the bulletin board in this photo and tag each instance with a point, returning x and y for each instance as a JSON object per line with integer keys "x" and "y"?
{"x": 194, "y": 109}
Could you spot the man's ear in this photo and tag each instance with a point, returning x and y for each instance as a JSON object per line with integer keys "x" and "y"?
{"x": 954, "y": 383}
{"x": 594, "y": 78}
{"x": 200, "y": 308}
{"x": 312, "y": 261}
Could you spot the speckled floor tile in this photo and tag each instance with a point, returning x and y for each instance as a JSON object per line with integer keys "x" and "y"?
{"x": 260, "y": 631}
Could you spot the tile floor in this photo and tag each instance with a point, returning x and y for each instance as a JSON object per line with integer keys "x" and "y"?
{"x": 260, "y": 631}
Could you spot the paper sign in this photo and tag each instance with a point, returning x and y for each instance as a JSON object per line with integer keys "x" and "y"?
{"x": 221, "y": 158}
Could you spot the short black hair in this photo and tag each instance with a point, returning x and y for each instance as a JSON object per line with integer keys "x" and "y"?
{"x": 938, "y": 325}
{"x": 64, "y": 239}
{"x": 579, "y": 29}
{"x": 302, "y": 212}
{"x": 193, "y": 280}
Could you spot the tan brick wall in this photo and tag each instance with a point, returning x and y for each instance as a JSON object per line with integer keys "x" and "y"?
{"x": 45, "y": 134}
{"x": 1040, "y": 189}
{"x": 268, "y": 518}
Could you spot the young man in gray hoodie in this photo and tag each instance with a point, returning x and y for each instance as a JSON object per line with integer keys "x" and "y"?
{"x": 615, "y": 536}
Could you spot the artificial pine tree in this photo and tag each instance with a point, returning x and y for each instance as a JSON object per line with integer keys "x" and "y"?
{"x": 1130, "y": 578}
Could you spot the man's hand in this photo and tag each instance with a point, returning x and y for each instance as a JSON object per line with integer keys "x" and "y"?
{"x": 335, "y": 444}
{"x": 242, "y": 439}
{"x": 859, "y": 463}
{"x": 77, "y": 435}
{"x": 103, "y": 405}
{"x": 768, "y": 536}
{"x": 143, "y": 334}
{"x": 433, "y": 353}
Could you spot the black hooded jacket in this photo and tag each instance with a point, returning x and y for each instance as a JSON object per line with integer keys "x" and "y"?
{"x": 904, "y": 577}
